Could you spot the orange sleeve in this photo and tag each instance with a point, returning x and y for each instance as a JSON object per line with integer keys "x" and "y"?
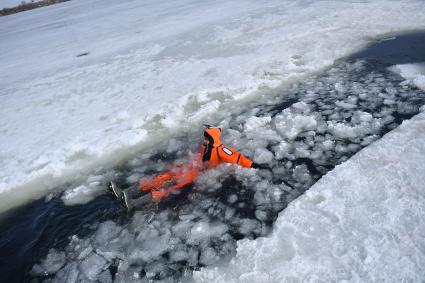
{"x": 229, "y": 155}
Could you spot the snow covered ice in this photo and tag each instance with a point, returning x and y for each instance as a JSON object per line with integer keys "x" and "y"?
{"x": 152, "y": 70}
{"x": 99, "y": 90}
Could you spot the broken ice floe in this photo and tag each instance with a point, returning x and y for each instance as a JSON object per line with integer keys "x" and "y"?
{"x": 330, "y": 118}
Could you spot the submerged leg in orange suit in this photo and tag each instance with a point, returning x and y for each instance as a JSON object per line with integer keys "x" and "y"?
{"x": 162, "y": 185}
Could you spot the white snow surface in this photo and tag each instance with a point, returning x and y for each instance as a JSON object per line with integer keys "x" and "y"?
{"x": 87, "y": 83}
{"x": 362, "y": 222}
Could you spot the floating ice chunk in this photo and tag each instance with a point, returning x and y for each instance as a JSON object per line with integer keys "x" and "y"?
{"x": 193, "y": 256}
{"x": 339, "y": 87}
{"x": 340, "y": 149}
{"x": 68, "y": 274}
{"x": 335, "y": 116}
{"x": 153, "y": 269}
{"x": 405, "y": 108}
{"x": 290, "y": 125}
{"x": 76, "y": 195}
{"x": 110, "y": 255}
{"x": 316, "y": 154}
{"x": 232, "y": 136}
{"x": 415, "y": 73}
{"x": 319, "y": 138}
{"x": 345, "y": 105}
{"x": 106, "y": 232}
{"x": 128, "y": 274}
{"x": 263, "y": 155}
{"x": 51, "y": 264}
{"x": 328, "y": 145}
{"x": 182, "y": 229}
{"x": 174, "y": 145}
{"x": 360, "y": 116}
{"x": 198, "y": 232}
{"x": 152, "y": 248}
{"x": 261, "y": 215}
{"x": 85, "y": 252}
{"x": 211, "y": 178}
{"x": 420, "y": 82}
{"x": 92, "y": 266}
{"x": 255, "y": 123}
{"x": 301, "y": 107}
{"x": 204, "y": 230}
{"x": 95, "y": 178}
{"x": 391, "y": 90}
{"x": 352, "y": 100}
{"x": 247, "y": 226}
{"x": 301, "y": 152}
{"x": 288, "y": 164}
{"x": 179, "y": 255}
{"x": 389, "y": 101}
{"x": 364, "y": 95}
{"x": 301, "y": 173}
{"x": 326, "y": 112}
{"x": 262, "y": 196}
{"x": 229, "y": 213}
{"x": 133, "y": 178}
{"x": 148, "y": 233}
{"x": 282, "y": 149}
{"x": 246, "y": 176}
{"x": 105, "y": 277}
{"x": 344, "y": 131}
{"x": 84, "y": 193}
{"x": 232, "y": 198}
{"x": 206, "y": 204}
{"x": 279, "y": 170}
{"x": 208, "y": 256}
{"x": 353, "y": 147}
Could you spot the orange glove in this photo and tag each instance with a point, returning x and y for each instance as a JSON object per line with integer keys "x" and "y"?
{"x": 158, "y": 195}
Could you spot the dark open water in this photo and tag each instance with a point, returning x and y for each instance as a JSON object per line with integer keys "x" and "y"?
{"x": 27, "y": 233}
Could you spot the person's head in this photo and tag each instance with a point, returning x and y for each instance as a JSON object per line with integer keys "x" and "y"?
{"x": 212, "y": 135}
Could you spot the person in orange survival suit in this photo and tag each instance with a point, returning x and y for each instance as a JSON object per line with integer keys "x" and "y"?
{"x": 211, "y": 154}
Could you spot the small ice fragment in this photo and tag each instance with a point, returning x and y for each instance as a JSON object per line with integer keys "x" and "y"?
{"x": 208, "y": 256}
{"x": 328, "y": 145}
{"x": 263, "y": 155}
{"x": 178, "y": 255}
{"x": 261, "y": 215}
{"x": 247, "y": 226}
{"x": 51, "y": 264}
{"x": 232, "y": 198}
{"x": 92, "y": 266}
{"x": 345, "y": 105}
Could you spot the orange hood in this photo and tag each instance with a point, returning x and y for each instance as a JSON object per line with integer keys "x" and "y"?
{"x": 213, "y": 135}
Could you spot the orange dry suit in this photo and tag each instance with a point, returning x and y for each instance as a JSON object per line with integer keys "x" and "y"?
{"x": 211, "y": 154}
{"x": 214, "y": 152}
